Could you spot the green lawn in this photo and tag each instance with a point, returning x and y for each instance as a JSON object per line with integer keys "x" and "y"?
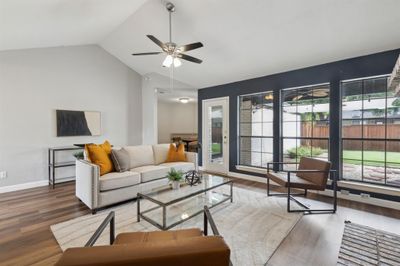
{"x": 216, "y": 148}
{"x": 377, "y": 158}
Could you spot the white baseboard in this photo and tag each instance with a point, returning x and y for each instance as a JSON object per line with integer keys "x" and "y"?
{"x": 391, "y": 191}
{"x": 372, "y": 201}
{"x": 353, "y": 197}
{"x": 12, "y": 188}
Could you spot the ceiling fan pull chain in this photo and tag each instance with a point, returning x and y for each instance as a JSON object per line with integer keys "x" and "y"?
{"x": 171, "y": 79}
{"x": 170, "y": 27}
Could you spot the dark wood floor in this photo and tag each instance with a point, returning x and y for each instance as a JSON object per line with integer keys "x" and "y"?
{"x": 26, "y": 216}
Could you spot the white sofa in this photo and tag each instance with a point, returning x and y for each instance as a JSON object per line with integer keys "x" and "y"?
{"x": 148, "y": 172}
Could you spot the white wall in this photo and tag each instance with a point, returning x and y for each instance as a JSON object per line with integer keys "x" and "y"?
{"x": 149, "y": 110}
{"x": 151, "y": 83}
{"x": 291, "y": 130}
{"x": 36, "y": 82}
{"x": 176, "y": 118}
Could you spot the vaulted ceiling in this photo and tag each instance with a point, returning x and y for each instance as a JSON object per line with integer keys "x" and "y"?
{"x": 49, "y": 23}
{"x": 242, "y": 39}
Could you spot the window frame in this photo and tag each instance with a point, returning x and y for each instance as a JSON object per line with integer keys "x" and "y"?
{"x": 281, "y": 122}
{"x": 362, "y": 139}
{"x": 261, "y": 122}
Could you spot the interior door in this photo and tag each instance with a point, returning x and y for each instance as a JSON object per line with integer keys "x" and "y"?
{"x": 216, "y": 135}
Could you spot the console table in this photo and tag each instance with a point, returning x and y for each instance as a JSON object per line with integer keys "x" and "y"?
{"x": 53, "y": 164}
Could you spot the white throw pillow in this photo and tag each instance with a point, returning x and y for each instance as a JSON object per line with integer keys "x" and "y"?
{"x": 160, "y": 153}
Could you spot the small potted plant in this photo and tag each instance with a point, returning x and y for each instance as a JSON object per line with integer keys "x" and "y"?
{"x": 175, "y": 177}
{"x": 79, "y": 155}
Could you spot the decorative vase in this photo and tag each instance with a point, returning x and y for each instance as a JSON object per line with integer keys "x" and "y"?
{"x": 176, "y": 185}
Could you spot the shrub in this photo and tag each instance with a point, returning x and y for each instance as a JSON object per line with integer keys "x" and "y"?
{"x": 304, "y": 151}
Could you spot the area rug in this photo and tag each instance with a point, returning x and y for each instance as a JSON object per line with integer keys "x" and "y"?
{"x": 253, "y": 225}
{"x": 363, "y": 245}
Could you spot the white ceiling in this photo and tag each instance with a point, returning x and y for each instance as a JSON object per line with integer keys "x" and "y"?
{"x": 247, "y": 39}
{"x": 243, "y": 39}
{"x": 48, "y": 23}
{"x": 167, "y": 95}
{"x": 167, "y": 92}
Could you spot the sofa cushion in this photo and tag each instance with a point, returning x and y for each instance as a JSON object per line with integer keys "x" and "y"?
{"x": 182, "y": 166}
{"x": 116, "y": 180}
{"x": 121, "y": 160}
{"x": 160, "y": 153}
{"x": 151, "y": 172}
{"x": 140, "y": 155}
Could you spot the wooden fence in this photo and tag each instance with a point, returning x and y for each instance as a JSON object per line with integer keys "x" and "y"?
{"x": 216, "y": 133}
{"x": 355, "y": 131}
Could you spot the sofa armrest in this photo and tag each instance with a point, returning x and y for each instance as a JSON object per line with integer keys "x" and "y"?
{"x": 87, "y": 183}
{"x": 193, "y": 158}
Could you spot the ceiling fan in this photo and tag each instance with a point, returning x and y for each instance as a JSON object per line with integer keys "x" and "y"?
{"x": 172, "y": 50}
{"x": 316, "y": 93}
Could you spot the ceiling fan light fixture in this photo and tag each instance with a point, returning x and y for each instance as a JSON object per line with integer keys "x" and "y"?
{"x": 168, "y": 61}
{"x": 184, "y": 100}
{"x": 269, "y": 97}
{"x": 175, "y": 53}
{"x": 177, "y": 62}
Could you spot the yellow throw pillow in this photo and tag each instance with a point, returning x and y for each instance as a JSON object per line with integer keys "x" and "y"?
{"x": 100, "y": 155}
{"x": 106, "y": 146}
{"x": 176, "y": 154}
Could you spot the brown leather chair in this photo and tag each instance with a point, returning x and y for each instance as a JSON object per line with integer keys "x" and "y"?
{"x": 312, "y": 174}
{"x": 167, "y": 248}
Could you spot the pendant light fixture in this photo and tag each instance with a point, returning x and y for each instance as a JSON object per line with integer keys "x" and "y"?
{"x": 184, "y": 100}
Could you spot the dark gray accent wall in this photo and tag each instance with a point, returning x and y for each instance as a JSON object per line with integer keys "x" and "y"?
{"x": 364, "y": 66}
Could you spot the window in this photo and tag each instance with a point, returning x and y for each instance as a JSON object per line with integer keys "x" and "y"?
{"x": 305, "y": 122}
{"x": 370, "y": 132}
{"x": 256, "y": 129}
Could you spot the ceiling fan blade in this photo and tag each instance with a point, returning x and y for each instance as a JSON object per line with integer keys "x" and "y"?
{"x": 157, "y": 41}
{"x": 190, "y": 58}
{"x": 298, "y": 97}
{"x": 150, "y": 53}
{"x": 189, "y": 47}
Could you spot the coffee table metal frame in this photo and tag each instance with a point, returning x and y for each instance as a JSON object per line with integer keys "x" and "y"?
{"x": 164, "y": 226}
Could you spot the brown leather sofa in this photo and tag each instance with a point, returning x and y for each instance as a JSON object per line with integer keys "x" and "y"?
{"x": 167, "y": 248}
{"x": 311, "y": 174}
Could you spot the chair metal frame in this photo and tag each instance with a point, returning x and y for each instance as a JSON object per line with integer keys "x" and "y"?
{"x": 209, "y": 220}
{"x": 290, "y": 196}
{"x": 110, "y": 219}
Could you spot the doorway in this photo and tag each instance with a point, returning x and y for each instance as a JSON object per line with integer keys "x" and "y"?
{"x": 215, "y": 123}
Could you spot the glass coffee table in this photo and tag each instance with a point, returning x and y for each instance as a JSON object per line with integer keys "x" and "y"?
{"x": 167, "y": 208}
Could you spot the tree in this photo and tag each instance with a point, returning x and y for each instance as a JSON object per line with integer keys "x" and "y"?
{"x": 396, "y": 102}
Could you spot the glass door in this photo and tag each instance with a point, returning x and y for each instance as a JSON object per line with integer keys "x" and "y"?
{"x": 215, "y": 135}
